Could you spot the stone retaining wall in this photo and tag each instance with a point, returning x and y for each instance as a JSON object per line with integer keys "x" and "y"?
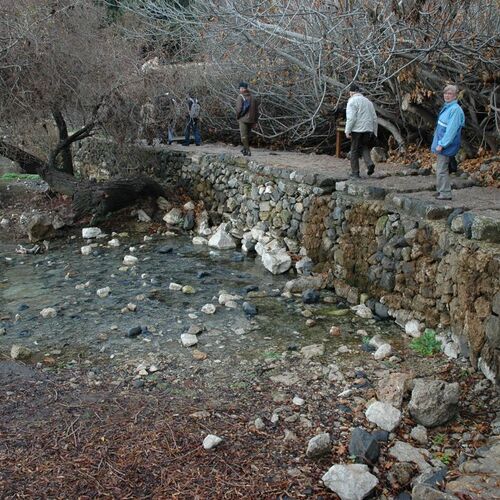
{"x": 409, "y": 267}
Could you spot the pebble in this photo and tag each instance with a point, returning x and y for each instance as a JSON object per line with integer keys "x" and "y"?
{"x": 134, "y": 332}
{"x": 189, "y": 340}
{"x": 335, "y": 331}
{"x": 188, "y": 290}
{"x": 211, "y": 441}
{"x": 132, "y": 307}
{"x": 86, "y": 250}
{"x": 259, "y": 424}
{"x": 130, "y": 260}
{"x": 48, "y": 312}
{"x": 199, "y": 355}
{"x": 249, "y": 309}
{"x": 298, "y": 401}
{"x": 20, "y": 352}
{"x": 115, "y": 242}
{"x": 208, "y": 309}
{"x": 175, "y": 287}
{"x": 103, "y": 292}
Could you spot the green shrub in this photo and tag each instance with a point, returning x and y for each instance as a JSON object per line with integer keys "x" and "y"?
{"x": 427, "y": 344}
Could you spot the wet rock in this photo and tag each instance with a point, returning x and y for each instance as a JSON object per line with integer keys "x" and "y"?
{"x": 165, "y": 250}
{"x": 310, "y": 296}
{"x": 227, "y": 297}
{"x": 208, "y": 309}
{"x": 86, "y": 249}
{"x": 384, "y": 415}
{"x": 434, "y": 402}
{"x": 249, "y": 309}
{"x": 40, "y": 228}
{"x": 103, "y": 292}
{"x": 134, "y": 332}
{"x": 211, "y": 441}
{"x": 91, "y": 232}
{"x": 303, "y": 283}
{"x": 199, "y": 355}
{"x": 335, "y": 331}
{"x": 202, "y": 274}
{"x": 350, "y": 482}
{"x": 175, "y": 287}
{"x": 381, "y": 436}
{"x": 381, "y": 310}
{"x": 189, "y": 340}
{"x": 48, "y": 312}
{"x": 20, "y": 352}
{"x": 199, "y": 240}
{"x": 304, "y": 266}
{"x": 222, "y": 239}
{"x": 130, "y": 260}
{"x": 391, "y": 389}
{"x": 319, "y": 445}
{"x": 115, "y": 242}
{"x": 404, "y": 452}
{"x": 364, "y": 446}
{"x": 188, "y": 290}
{"x": 276, "y": 262}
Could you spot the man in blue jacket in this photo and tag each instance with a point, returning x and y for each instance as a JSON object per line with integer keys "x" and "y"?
{"x": 447, "y": 137}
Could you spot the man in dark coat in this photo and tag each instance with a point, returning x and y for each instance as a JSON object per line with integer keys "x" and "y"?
{"x": 247, "y": 114}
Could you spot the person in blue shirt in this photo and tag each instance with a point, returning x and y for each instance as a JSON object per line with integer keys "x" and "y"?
{"x": 447, "y": 138}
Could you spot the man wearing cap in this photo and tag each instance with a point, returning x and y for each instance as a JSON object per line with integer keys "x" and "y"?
{"x": 447, "y": 138}
{"x": 361, "y": 127}
{"x": 247, "y": 114}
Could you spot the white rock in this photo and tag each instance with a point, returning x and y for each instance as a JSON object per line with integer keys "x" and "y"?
{"x": 298, "y": 401}
{"x": 221, "y": 240}
{"x": 362, "y": 311}
{"x": 208, "y": 309}
{"x": 259, "y": 424}
{"x": 382, "y": 352}
{"x": 452, "y": 350}
{"x": 211, "y": 441}
{"x": 103, "y": 292}
{"x": 188, "y": 340}
{"x": 131, "y": 307}
{"x": 173, "y": 217}
{"x": 350, "y": 482}
{"x": 226, "y": 297}
{"x": 176, "y": 287}
{"x": 19, "y": 352}
{"x": 91, "y": 232}
{"x": 413, "y": 328}
{"x": 384, "y": 415}
{"x": 86, "y": 249}
{"x": 377, "y": 341}
{"x": 143, "y": 216}
{"x": 188, "y": 206}
{"x": 48, "y": 312}
{"x": 231, "y": 304}
{"x": 199, "y": 240}
{"x": 130, "y": 260}
{"x": 276, "y": 262}
{"x": 115, "y": 242}
{"x": 5, "y": 223}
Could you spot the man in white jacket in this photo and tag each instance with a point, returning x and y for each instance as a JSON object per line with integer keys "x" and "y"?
{"x": 361, "y": 127}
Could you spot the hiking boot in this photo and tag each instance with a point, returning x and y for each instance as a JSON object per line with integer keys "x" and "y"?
{"x": 370, "y": 169}
{"x": 354, "y": 176}
{"x": 443, "y": 197}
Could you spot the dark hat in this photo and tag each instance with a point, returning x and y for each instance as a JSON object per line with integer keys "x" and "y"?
{"x": 354, "y": 87}
{"x": 243, "y": 85}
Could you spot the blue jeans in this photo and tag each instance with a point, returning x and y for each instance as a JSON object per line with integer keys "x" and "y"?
{"x": 194, "y": 125}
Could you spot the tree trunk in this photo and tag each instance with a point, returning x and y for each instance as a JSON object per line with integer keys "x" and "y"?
{"x": 89, "y": 198}
{"x": 66, "y": 154}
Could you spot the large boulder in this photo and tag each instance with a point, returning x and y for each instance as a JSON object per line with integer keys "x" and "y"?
{"x": 363, "y": 446}
{"x": 434, "y": 402}
{"x": 350, "y": 482}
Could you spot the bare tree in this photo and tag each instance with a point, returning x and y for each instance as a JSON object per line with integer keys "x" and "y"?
{"x": 302, "y": 55}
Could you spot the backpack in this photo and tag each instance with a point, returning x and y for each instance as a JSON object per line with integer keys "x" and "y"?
{"x": 244, "y": 107}
{"x": 195, "y": 110}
